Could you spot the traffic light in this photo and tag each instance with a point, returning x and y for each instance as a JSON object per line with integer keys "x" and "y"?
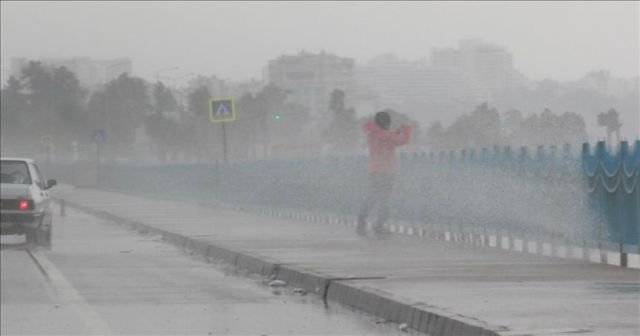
{"x": 277, "y": 117}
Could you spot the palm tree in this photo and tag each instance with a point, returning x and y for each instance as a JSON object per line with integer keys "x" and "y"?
{"x": 610, "y": 121}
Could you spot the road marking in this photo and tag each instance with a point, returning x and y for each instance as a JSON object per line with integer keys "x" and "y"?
{"x": 68, "y": 295}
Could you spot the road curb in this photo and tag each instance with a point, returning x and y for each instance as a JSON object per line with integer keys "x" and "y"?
{"x": 308, "y": 280}
{"x": 422, "y": 318}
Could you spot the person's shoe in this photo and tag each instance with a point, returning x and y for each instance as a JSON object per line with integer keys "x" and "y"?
{"x": 361, "y": 228}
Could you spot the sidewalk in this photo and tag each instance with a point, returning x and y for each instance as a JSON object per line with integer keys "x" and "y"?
{"x": 435, "y": 287}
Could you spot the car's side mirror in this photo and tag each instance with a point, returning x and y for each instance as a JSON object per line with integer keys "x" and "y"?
{"x": 51, "y": 183}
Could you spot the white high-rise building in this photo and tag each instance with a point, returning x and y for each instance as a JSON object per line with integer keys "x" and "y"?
{"x": 310, "y": 78}
{"x": 489, "y": 66}
{"x": 395, "y": 82}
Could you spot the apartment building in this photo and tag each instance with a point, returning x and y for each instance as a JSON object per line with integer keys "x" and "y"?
{"x": 310, "y": 78}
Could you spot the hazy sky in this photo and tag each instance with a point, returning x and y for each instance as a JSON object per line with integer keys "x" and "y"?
{"x": 236, "y": 39}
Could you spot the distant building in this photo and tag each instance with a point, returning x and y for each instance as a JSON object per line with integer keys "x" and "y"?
{"x": 604, "y": 82}
{"x": 222, "y": 87}
{"x": 90, "y": 73}
{"x": 393, "y": 81}
{"x": 253, "y": 86}
{"x": 489, "y": 66}
{"x": 310, "y": 78}
{"x": 451, "y": 82}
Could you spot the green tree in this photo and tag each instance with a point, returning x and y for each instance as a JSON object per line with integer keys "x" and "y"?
{"x": 549, "y": 128}
{"x": 610, "y": 122}
{"x": 267, "y": 121}
{"x": 343, "y": 129}
{"x": 14, "y": 117}
{"x": 164, "y": 99}
{"x": 162, "y": 130}
{"x": 197, "y": 123}
{"x": 572, "y": 127}
{"x": 511, "y": 126}
{"x": 198, "y": 102}
{"x": 268, "y": 103}
{"x": 120, "y": 109}
{"x": 480, "y": 128}
{"x": 56, "y": 101}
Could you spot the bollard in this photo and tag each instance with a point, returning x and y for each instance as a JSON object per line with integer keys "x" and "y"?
{"x": 604, "y": 257}
{"x": 624, "y": 260}
{"x": 585, "y": 251}
{"x": 62, "y": 208}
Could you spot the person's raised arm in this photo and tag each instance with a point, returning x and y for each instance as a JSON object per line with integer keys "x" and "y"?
{"x": 402, "y": 135}
{"x": 398, "y": 137}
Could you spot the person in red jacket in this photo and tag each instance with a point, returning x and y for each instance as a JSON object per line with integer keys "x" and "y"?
{"x": 382, "y": 143}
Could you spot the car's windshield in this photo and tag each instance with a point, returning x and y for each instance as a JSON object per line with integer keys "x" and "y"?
{"x": 15, "y": 172}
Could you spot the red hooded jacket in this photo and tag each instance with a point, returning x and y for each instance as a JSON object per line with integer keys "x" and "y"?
{"x": 382, "y": 146}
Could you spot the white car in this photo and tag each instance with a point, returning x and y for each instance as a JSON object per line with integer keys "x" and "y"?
{"x": 25, "y": 206}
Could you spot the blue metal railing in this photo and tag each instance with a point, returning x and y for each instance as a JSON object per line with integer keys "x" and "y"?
{"x": 613, "y": 185}
{"x": 546, "y": 193}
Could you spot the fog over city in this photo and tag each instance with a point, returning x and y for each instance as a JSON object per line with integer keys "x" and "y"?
{"x": 320, "y": 168}
{"x": 559, "y": 40}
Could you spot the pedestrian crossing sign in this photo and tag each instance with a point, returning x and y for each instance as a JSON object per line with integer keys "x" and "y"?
{"x": 222, "y": 110}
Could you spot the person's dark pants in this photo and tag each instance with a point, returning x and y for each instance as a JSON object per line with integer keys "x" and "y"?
{"x": 379, "y": 194}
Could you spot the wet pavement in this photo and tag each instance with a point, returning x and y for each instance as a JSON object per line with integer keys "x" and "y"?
{"x": 506, "y": 292}
{"x": 100, "y": 278}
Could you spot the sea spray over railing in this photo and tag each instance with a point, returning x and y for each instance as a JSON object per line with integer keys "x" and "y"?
{"x": 498, "y": 190}
{"x": 545, "y": 193}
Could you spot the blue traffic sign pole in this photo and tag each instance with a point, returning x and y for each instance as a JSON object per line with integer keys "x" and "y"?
{"x": 98, "y": 153}
{"x": 98, "y": 136}
{"x": 224, "y": 142}
{"x": 222, "y": 110}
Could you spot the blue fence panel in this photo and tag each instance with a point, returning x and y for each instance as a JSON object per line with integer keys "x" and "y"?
{"x": 614, "y": 191}
{"x": 547, "y": 192}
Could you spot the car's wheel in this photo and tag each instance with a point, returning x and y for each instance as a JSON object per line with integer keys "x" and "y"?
{"x": 43, "y": 234}
{"x": 31, "y": 235}
{"x": 48, "y": 237}
{"x": 43, "y": 237}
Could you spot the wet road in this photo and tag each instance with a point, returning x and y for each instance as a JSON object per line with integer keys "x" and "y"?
{"x": 100, "y": 278}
